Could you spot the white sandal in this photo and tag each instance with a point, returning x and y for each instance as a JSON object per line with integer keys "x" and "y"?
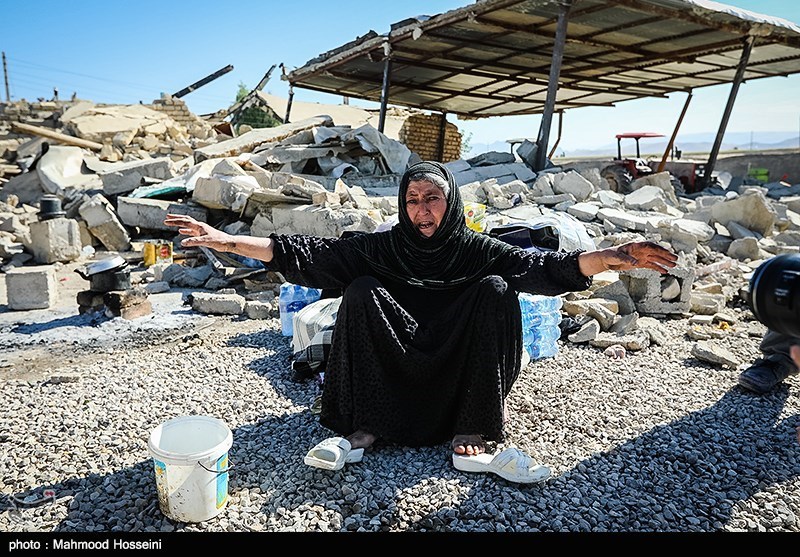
{"x": 332, "y": 454}
{"x": 510, "y": 464}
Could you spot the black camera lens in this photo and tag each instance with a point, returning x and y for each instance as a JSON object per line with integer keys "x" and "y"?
{"x": 775, "y": 294}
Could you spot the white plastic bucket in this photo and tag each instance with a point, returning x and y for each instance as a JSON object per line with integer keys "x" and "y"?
{"x": 190, "y": 455}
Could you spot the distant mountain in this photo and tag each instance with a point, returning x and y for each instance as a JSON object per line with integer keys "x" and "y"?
{"x": 689, "y": 143}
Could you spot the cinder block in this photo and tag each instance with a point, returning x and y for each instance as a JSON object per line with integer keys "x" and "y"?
{"x": 644, "y": 287}
{"x": 31, "y": 287}
{"x": 56, "y": 239}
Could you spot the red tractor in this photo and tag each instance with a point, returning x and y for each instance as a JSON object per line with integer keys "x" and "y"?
{"x": 685, "y": 175}
{"x": 622, "y": 172}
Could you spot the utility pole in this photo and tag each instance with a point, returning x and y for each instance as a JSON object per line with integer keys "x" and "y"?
{"x": 5, "y": 77}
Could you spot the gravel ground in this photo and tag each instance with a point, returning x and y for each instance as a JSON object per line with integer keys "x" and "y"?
{"x": 657, "y": 441}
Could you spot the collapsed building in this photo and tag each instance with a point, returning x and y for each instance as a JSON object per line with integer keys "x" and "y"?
{"x": 63, "y": 202}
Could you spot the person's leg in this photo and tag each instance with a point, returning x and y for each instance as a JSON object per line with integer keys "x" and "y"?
{"x": 493, "y": 351}
{"x": 370, "y": 329}
{"x": 776, "y": 364}
{"x": 361, "y": 439}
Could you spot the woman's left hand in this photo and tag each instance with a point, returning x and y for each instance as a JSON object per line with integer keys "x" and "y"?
{"x": 633, "y": 255}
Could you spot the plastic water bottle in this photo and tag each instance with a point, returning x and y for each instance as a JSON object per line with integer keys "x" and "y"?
{"x": 292, "y": 299}
{"x": 541, "y": 316}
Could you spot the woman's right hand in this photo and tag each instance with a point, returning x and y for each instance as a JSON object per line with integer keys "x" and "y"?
{"x": 200, "y": 233}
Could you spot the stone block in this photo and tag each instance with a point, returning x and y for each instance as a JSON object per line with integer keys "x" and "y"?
{"x": 258, "y": 310}
{"x": 224, "y": 191}
{"x": 574, "y": 184}
{"x": 583, "y": 211}
{"x": 31, "y": 287}
{"x": 617, "y": 292}
{"x": 218, "y": 304}
{"x": 103, "y": 223}
{"x": 56, "y": 239}
{"x": 150, "y": 213}
{"x": 751, "y": 210}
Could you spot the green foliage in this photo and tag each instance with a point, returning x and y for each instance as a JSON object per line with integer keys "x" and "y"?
{"x": 253, "y": 116}
{"x": 242, "y": 92}
{"x": 256, "y": 117}
{"x": 466, "y": 143}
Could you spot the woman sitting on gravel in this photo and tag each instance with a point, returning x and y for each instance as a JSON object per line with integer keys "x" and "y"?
{"x": 428, "y": 337}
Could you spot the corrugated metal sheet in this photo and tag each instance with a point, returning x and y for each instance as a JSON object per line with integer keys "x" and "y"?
{"x": 492, "y": 58}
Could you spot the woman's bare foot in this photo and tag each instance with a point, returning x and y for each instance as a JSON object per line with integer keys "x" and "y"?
{"x": 361, "y": 439}
{"x": 468, "y": 444}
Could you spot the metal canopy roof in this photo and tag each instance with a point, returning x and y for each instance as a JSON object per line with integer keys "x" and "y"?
{"x": 493, "y": 57}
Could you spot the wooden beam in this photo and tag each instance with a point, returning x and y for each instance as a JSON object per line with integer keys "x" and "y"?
{"x": 56, "y": 136}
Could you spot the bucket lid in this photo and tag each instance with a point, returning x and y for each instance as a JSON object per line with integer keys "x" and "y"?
{"x": 187, "y": 439}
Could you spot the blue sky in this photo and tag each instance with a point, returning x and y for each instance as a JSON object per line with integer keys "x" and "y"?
{"x": 125, "y": 52}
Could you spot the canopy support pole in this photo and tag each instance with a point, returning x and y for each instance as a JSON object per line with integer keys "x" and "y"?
{"x": 552, "y": 84}
{"x": 737, "y": 80}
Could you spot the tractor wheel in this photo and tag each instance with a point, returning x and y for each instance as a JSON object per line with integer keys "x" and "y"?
{"x": 618, "y": 178}
{"x": 680, "y": 189}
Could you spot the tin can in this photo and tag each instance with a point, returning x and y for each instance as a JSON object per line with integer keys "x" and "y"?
{"x": 157, "y": 251}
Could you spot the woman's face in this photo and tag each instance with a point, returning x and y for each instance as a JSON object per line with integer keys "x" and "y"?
{"x": 425, "y": 205}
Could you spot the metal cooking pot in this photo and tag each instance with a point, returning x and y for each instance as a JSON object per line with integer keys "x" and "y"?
{"x": 114, "y": 263}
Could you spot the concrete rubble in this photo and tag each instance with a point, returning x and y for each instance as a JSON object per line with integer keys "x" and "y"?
{"x": 320, "y": 177}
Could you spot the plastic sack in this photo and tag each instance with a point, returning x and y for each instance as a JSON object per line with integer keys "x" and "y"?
{"x": 552, "y": 232}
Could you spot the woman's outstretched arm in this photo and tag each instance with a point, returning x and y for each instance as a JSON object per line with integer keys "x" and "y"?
{"x": 202, "y": 234}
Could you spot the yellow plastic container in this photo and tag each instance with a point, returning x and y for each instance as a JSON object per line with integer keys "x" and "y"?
{"x": 156, "y": 251}
{"x": 474, "y": 213}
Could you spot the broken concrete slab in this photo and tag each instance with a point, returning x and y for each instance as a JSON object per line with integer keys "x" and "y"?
{"x": 654, "y": 329}
{"x": 224, "y": 192}
{"x": 104, "y": 122}
{"x": 624, "y": 324}
{"x": 586, "y": 333}
{"x": 582, "y": 307}
{"x": 315, "y": 220}
{"x": 646, "y": 198}
{"x": 249, "y": 141}
{"x": 103, "y": 223}
{"x": 258, "y": 310}
{"x": 752, "y": 210}
{"x": 61, "y": 167}
{"x": 684, "y": 234}
{"x": 714, "y": 353}
{"x": 617, "y": 292}
{"x": 26, "y": 188}
{"x": 150, "y": 213}
{"x": 737, "y": 231}
{"x": 608, "y": 198}
{"x": 395, "y": 154}
{"x": 585, "y": 212}
{"x": 637, "y": 340}
{"x": 706, "y": 304}
{"x": 627, "y": 220}
{"x": 574, "y": 184}
{"x": 744, "y": 249}
{"x": 125, "y": 177}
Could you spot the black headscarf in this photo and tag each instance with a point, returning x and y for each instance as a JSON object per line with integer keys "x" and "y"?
{"x": 453, "y": 255}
